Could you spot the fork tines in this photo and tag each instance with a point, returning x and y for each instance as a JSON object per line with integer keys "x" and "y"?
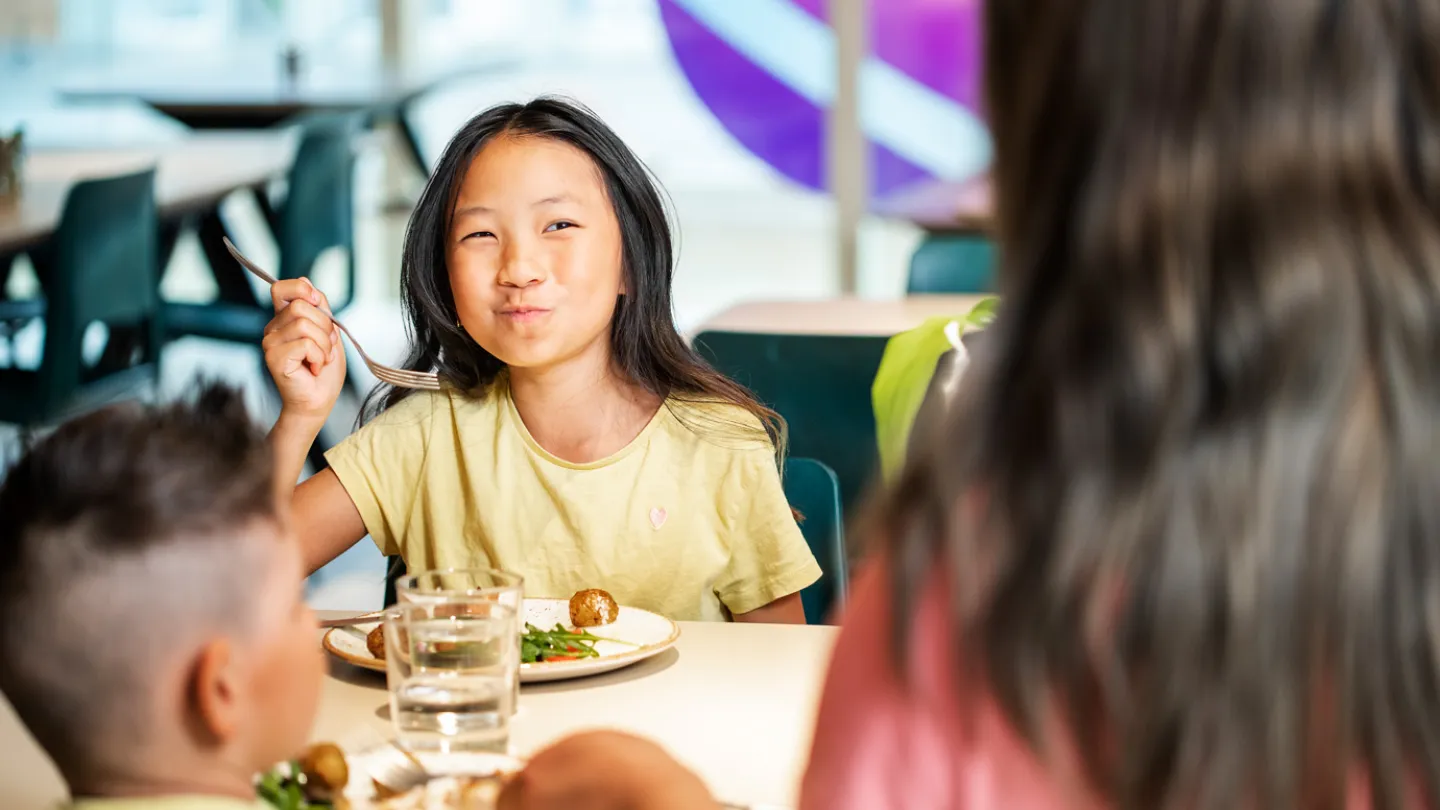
{"x": 406, "y": 379}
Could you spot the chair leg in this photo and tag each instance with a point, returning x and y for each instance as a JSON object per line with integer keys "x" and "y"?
{"x": 411, "y": 138}
{"x": 267, "y": 209}
{"x": 7, "y": 265}
{"x": 231, "y": 280}
{"x": 169, "y": 236}
{"x": 121, "y": 348}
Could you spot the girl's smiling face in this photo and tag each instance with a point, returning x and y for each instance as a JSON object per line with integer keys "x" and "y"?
{"x": 535, "y": 256}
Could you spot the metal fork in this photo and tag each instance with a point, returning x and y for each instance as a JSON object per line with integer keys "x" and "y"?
{"x": 399, "y": 377}
{"x": 400, "y": 772}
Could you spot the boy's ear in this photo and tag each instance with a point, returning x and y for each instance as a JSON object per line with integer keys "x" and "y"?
{"x": 215, "y": 692}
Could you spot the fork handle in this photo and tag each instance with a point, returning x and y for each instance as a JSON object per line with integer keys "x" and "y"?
{"x": 269, "y": 279}
{"x": 246, "y": 263}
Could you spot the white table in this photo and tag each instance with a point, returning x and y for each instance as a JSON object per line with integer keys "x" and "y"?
{"x": 191, "y": 174}
{"x": 839, "y": 316}
{"x": 736, "y": 702}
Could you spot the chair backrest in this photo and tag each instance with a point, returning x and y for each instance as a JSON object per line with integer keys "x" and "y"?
{"x": 394, "y": 572}
{"x": 104, "y": 267}
{"x": 318, "y": 213}
{"x": 952, "y": 264}
{"x": 820, "y": 384}
{"x": 814, "y": 492}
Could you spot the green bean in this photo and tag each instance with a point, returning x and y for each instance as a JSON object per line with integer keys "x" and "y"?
{"x": 540, "y": 645}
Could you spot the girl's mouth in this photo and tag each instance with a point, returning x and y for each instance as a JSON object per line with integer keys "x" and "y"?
{"x": 524, "y": 314}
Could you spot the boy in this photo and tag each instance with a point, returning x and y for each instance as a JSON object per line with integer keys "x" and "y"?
{"x": 152, "y": 632}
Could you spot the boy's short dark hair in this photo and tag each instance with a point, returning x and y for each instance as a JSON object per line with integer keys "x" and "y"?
{"x": 126, "y": 536}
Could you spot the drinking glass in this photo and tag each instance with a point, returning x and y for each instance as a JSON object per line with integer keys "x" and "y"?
{"x": 451, "y": 668}
{"x": 460, "y": 585}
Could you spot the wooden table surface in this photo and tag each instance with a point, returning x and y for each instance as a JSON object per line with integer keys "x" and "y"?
{"x": 943, "y": 207}
{"x": 193, "y": 173}
{"x": 839, "y": 316}
{"x": 736, "y": 702}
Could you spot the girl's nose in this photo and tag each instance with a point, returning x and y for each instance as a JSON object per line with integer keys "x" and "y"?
{"x": 521, "y": 268}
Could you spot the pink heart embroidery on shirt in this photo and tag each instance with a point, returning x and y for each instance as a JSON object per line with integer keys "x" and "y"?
{"x": 657, "y": 516}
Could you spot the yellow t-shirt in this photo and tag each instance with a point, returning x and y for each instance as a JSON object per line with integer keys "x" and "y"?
{"x": 684, "y": 521}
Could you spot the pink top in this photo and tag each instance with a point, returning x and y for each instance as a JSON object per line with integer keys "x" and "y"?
{"x": 881, "y": 744}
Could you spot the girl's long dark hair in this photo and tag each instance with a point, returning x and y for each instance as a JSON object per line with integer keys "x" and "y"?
{"x": 1190, "y": 500}
{"x": 646, "y": 347}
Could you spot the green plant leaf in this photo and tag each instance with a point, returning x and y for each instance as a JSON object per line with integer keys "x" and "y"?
{"x": 900, "y": 384}
{"x": 983, "y": 313}
{"x": 904, "y": 377}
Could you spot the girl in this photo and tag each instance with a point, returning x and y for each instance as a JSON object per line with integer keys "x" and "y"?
{"x": 1178, "y": 547}
{"x": 578, "y": 441}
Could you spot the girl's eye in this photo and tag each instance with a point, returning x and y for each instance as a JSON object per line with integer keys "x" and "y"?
{"x": 561, "y": 225}
{"x": 477, "y": 235}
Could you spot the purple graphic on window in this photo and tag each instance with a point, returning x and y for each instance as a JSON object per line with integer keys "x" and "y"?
{"x": 755, "y": 75}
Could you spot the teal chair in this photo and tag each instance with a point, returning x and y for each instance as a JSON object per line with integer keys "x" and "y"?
{"x": 101, "y": 265}
{"x": 820, "y": 384}
{"x": 814, "y": 491}
{"x": 952, "y": 264}
{"x": 317, "y": 214}
{"x": 394, "y": 571}
{"x": 15, "y": 313}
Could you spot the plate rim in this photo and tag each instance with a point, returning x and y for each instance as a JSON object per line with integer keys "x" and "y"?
{"x": 557, "y": 668}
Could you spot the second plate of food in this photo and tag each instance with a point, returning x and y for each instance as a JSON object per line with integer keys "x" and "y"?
{"x": 561, "y": 650}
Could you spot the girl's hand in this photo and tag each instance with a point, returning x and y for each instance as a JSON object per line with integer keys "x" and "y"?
{"x": 303, "y": 349}
{"x": 605, "y": 770}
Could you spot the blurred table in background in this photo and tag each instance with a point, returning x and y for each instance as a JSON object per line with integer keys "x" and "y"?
{"x": 252, "y": 89}
{"x": 839, "y": 316}
{"x": 942, "y": 207}
{"x": 254, "y": 102}
{"x": 49, "y": 124}
{"x": 193, "y": 174}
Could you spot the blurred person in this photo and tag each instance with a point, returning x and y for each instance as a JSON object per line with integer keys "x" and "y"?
{"x": 153, "y": 637}
{"x": 1177, "y": 544}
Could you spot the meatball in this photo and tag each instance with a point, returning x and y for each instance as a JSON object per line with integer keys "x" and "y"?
{"x": 326, "y": 772}
{"x": 593, "y": 607}
{"x": 375, "y": 642}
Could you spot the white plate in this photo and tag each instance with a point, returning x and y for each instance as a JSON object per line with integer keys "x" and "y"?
{"x": 638, "y": 634}
{"x": 439, "y": 793}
